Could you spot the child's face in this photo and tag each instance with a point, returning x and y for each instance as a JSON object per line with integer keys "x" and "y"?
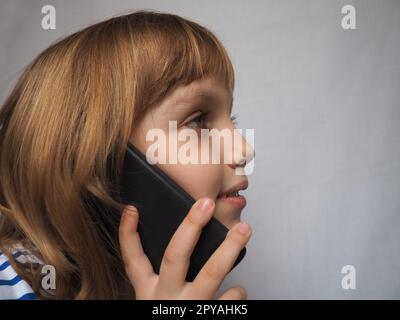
{"x": 184, "y": 105}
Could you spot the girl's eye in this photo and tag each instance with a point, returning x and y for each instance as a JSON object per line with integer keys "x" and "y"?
{"x": 197, "y": 122}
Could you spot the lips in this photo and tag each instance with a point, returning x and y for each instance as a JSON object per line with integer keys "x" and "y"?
{"x": 234, "y": 190}
{"x": 232, "y": 197}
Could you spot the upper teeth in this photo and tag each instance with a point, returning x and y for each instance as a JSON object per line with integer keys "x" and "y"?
{"x": 231, "y": 194}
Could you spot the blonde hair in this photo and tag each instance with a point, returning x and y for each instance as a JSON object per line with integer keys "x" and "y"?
{"x": 74, "y": 108}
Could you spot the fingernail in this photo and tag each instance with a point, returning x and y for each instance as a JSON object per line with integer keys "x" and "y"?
{"x": 131, "y": 210}
{"x": 243, "y": 228}
{"x": 205, "y": 204}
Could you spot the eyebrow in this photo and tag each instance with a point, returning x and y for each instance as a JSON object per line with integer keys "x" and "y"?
{"x": 181, "y": 104}
{"x": 210, "y": 94}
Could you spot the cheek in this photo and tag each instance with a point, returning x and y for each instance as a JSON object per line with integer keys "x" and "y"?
{"x": 198, "y": 180}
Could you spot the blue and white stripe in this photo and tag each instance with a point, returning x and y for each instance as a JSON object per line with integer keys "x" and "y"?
{"x": 12, "y": 286}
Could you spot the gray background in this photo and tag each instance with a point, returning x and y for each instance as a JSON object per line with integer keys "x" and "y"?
{"x": 324, "y": 103}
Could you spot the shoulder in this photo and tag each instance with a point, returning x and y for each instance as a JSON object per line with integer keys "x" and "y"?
{"x": 12, "y": 286}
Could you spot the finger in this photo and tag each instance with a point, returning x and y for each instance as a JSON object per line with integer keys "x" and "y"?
{"x": 210, "y": 277}
{"x": 176, "y": 258}
{"x": 137, "y": 265}
{"x": 235, "y": 293}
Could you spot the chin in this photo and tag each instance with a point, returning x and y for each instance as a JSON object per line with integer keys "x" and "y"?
{"x": 227, "y": 214}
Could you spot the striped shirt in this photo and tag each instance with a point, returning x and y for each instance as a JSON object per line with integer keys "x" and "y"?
{"x": 12, "y": 286}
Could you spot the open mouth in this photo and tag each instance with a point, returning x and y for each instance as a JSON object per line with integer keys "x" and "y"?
{"x": 233, "y": 196}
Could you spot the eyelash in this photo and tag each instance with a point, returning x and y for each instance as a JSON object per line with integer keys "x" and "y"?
{"x": 199, "y": 118}
{"x": 202, "y": 116}
{"x": 234, "y": 119}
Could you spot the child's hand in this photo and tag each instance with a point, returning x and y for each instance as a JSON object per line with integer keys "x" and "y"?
{"x": 170, "y": 283}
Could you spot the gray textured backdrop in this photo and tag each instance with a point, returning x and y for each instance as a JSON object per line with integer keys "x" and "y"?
{"x": 324, "y": 103}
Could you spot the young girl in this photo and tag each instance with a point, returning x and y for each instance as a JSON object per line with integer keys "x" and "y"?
{"x": 77, "y": 105}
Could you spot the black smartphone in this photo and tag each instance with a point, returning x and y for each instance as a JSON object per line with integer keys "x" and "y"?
{"x": 162, "y": 206}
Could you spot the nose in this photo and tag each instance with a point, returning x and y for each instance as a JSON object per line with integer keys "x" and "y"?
{"x": 240, "y": 144}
